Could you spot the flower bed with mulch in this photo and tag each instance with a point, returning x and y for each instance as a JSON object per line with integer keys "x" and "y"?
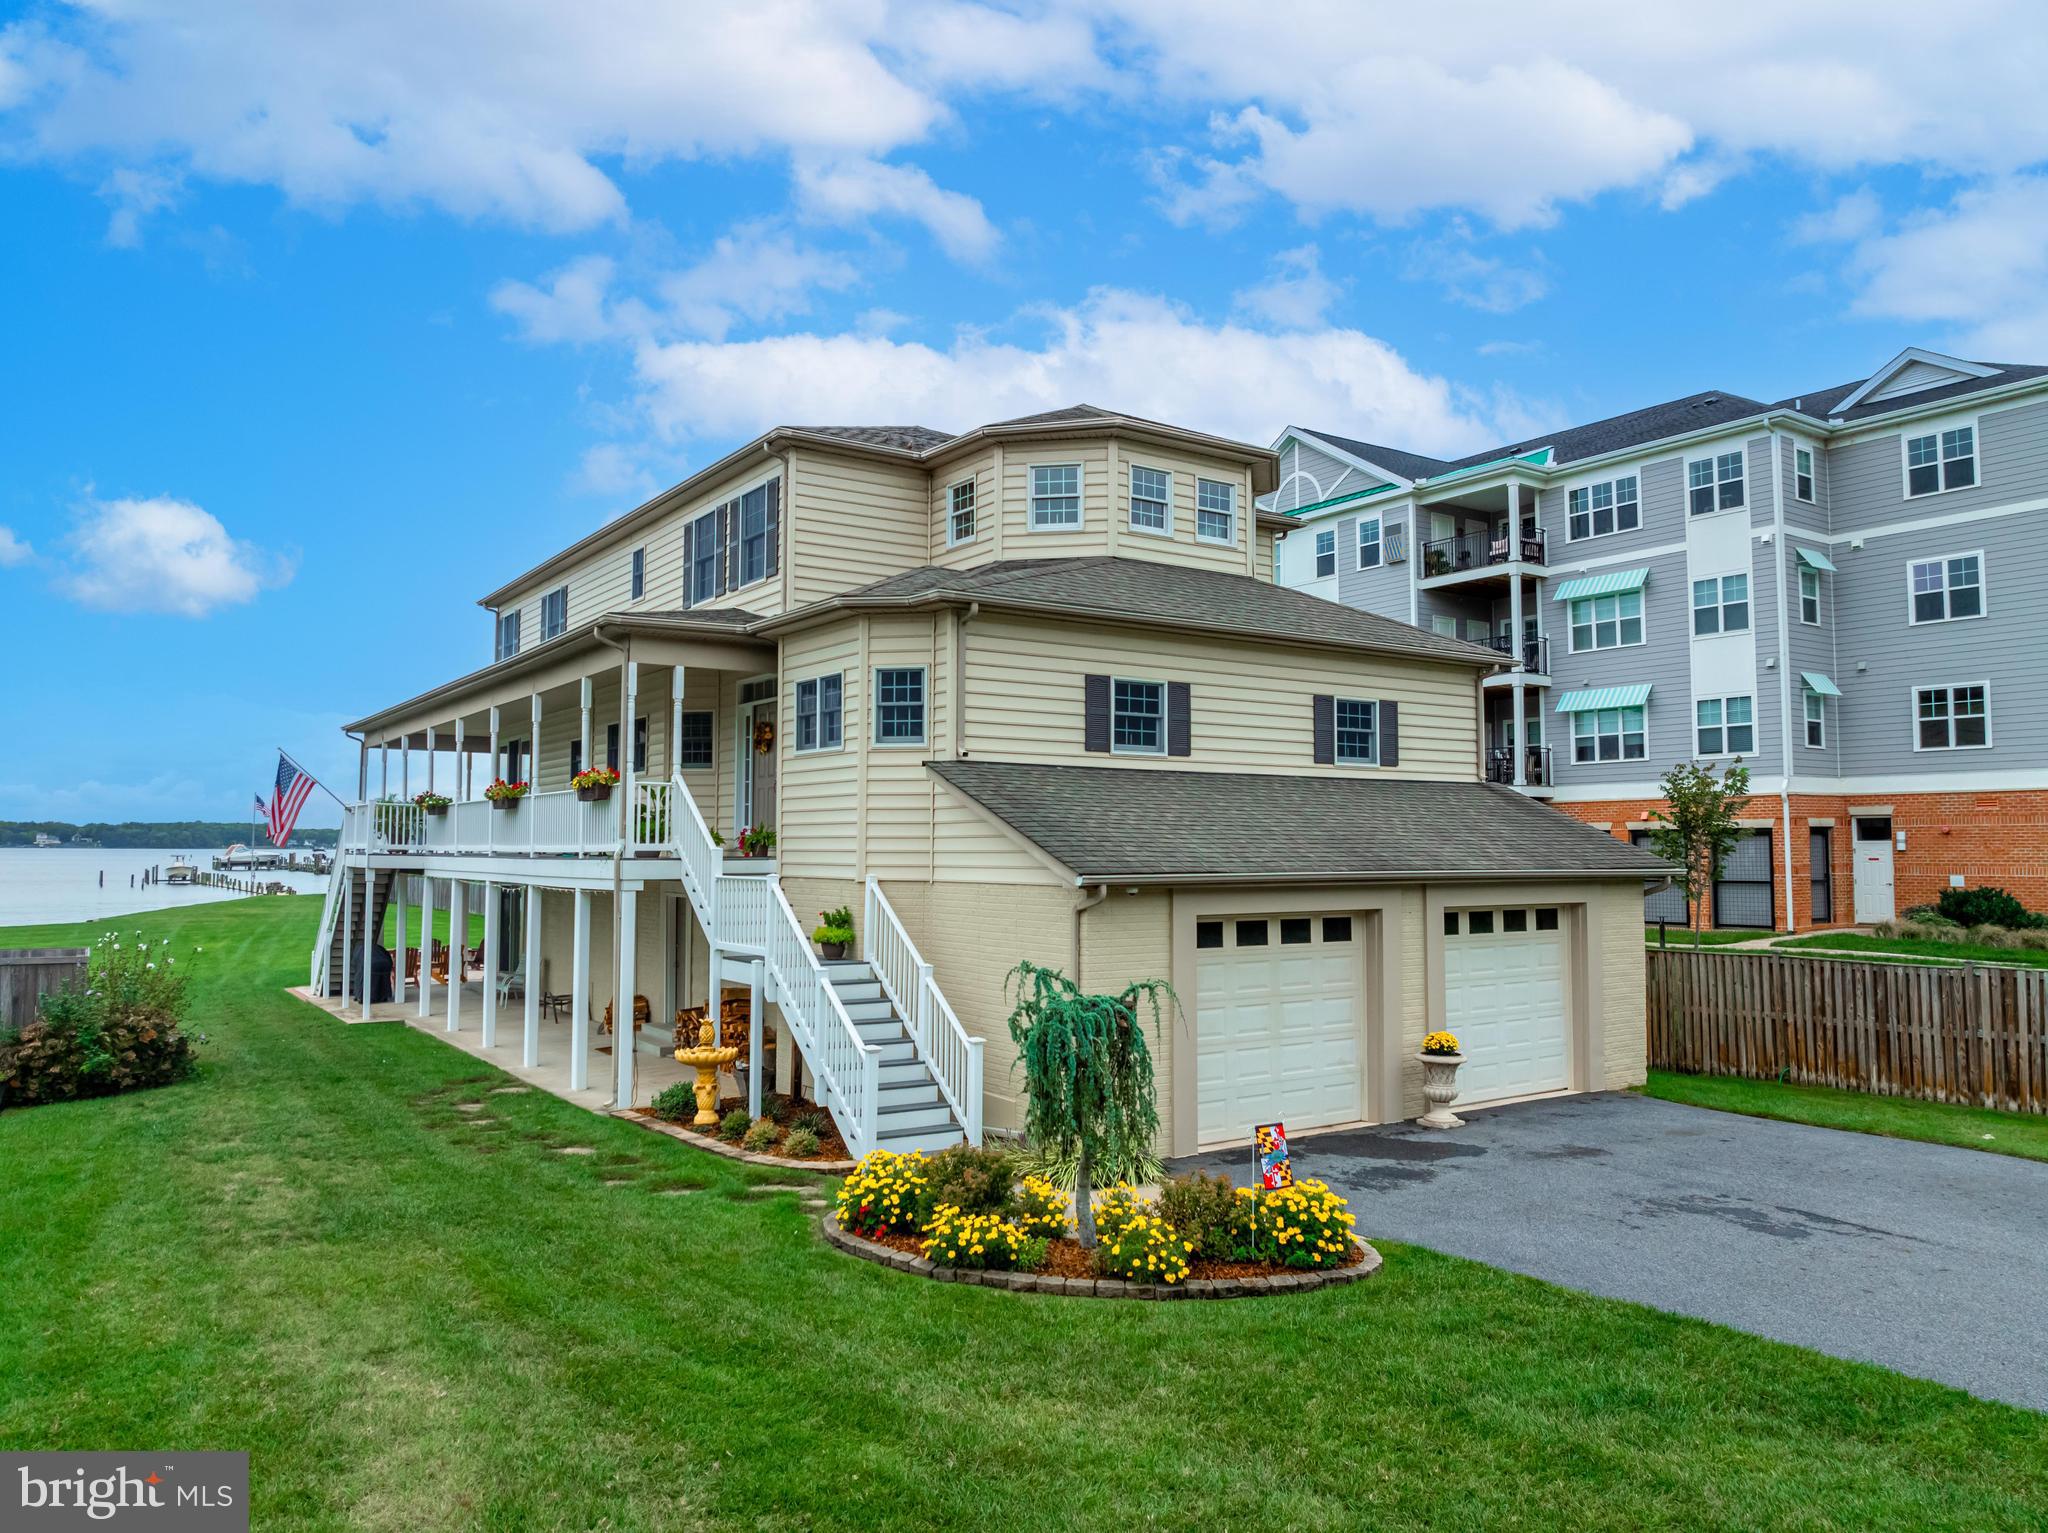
{"x": 768, "y": 1140}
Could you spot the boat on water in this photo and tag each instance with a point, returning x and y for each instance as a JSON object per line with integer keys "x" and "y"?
{"x": 181, "y": 871}
{"x": 44, "y": 838}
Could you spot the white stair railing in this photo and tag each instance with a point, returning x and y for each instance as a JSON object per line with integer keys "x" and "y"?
{"x": 952, "y": 1053}
{"x": 330, "y": 912}
{"x": 848, "y": 1069}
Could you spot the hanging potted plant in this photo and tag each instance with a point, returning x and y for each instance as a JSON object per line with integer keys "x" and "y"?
{"x": 432, "y": 803}
{"x": 834, "y": 934}
{"x": 595, "y": 785}
{"x": 1440, "y": 1060}
{"x": 505, "y": 795}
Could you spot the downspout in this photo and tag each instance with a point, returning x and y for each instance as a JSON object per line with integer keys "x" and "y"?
{"x": 960, "y": 678}
{"x": 1081, "y": 908}
{"x": 1784, "y": 669}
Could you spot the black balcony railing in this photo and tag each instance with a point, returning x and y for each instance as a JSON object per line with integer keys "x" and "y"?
{"x": 1478, "y": 550}
{"x": 1533, "y": 653}
{"x": 1500, "y": 765}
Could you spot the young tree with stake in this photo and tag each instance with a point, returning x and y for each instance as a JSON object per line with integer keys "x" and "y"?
{"x": 1696, "y": 829}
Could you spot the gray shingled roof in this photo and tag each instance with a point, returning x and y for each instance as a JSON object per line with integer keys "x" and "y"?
{"x": 1409, "y": 465}
{"x": 919, "y": 439}
{"x": 1822, "y": 402}
{"x": 1082, "y": 412}
{"x": 1142, "y": 824}
{"x": 1171, "y": 594}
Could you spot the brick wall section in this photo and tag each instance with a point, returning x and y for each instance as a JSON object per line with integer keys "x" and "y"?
{"x": 1992, "y": 838}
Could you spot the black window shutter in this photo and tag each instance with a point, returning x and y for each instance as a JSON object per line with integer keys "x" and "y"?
{"x": 689, "y": 563}
{"x": 1096, "y": 712}
{"x": 1390, "y": 733}
{"x": 774, "y": 526}
{"x": 1179, "y": 733}
{"x": 1326, "y": 730}
{"x": 724, "y": 526}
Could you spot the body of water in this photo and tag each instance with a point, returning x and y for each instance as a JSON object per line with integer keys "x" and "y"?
{"x": 65, "y": 883}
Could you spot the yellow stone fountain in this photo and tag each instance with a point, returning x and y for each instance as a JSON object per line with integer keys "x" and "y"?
{"x": 707, "y": 1059}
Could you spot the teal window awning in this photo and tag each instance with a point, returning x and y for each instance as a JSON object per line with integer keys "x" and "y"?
{"x": 1815, "y": 561}
{"x": 1819, "y": 684}
{"x": 1607, "y": 583}
{"x": 1599, "y": 699}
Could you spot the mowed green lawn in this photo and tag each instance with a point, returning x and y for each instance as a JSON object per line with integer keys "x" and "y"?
{"x": 1975, "y": 1128}
{"x": 418, "y": 1317}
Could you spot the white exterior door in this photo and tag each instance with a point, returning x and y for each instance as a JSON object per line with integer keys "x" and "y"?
{"x": 1504, "y": 998}
{"x": 1874, "y": 900}
{"x": 1279, "y": 1024}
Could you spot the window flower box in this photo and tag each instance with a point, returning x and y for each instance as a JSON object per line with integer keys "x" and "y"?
{"x": 432, "y": 803}
{"x": 595, "y": 785}
{"x": 505, "y": 795}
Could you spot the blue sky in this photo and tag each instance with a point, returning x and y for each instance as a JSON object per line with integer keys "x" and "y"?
{"x": 322, "y": 322}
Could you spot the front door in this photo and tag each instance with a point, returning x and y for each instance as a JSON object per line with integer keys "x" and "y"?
{"x": 1873, "y": 869}
{"x": 759, "y": 806}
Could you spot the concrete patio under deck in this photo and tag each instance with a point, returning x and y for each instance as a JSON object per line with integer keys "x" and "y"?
{"x": 653, "y": 1070}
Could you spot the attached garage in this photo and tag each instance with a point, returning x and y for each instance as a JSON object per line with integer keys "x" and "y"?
{"x": 1505, "y": 998}
{"x": 1280, "y": 1031}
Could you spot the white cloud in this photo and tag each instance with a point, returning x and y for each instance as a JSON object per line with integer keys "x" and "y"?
{"x": 571, "y": 308}
{"x": 851, "y": 191}
{"x": 615, "y": 470}
{"x": 1510, "y": 348}
{"x": 13, "y": 550}
{"x": 1978, "y": 268}
{"x": 754, "y": 273}
{"x": 1122, "y": 350}
{"x": 1850, "y": 217}
{"x": 135, "y": 194}
{"x": 163, "y": 555}
{"x": 1295, "y": 295}
{"x": 1486, "y": 283}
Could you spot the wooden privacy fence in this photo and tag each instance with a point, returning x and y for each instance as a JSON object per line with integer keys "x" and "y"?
{"x": 28, "y": 974}
{"x": 1975, "y": 1035}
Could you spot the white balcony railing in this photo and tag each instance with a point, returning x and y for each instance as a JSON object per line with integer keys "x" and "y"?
{"x": 540, "y": 825}
{"x": 952, "y": 1054}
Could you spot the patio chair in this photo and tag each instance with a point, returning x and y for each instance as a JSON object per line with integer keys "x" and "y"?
{"x": 512, "y": 982}
{"x": 554, "y": 1002}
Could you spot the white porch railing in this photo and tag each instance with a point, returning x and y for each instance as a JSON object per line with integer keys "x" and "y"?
{"x": 954, "y": 1055}
{"x": 540, "y": 825}
{"x": 330, "y": 912}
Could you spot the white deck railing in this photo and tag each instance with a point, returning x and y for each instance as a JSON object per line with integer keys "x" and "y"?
{"x": 539, "y": 825}
{"x": 953, "y": 1054}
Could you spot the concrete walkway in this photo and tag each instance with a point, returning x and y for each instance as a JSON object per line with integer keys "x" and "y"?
{"x": 1923, "y": 1258}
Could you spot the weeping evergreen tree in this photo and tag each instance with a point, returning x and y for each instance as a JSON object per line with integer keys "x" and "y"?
{"x": 1087, "y": 1073}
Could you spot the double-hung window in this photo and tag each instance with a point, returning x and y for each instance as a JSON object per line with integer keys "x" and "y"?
{"x": 1802, "y": 473}
{"x": 639, "y": 573}
{"x": 899, "y": 705}
{"x": 1137, "y": 717}
{"x": 1215, "y": 511}
{"x": 1947, "y": 589}
{"x": 1610, "y": 734}
{"x": 1809, "y": 596}
{"x": 1357, "y": 732}
{"x": 1151, "y": 499}
{"x": 1055, "y": 495}
{"x": 1941, "y": 460}
{"x": 818, "y": 721}
{"x": 1607, "y": 622}
{"x": 1369, "y": 550}
{"x": 1952, "y": 718}
{"x": 1326, "y": 552}
{"x": 1714, "y": 484}
{"x": 1613, "y": 505}
{"x": 753, "y": 536}
{"x": 1727, "y": 726}
{"x": 1720, "y": 605}
{"x": 693, "y": 744}
{"x": 704, "y": 558}
{"x": 554, "y": 612}
{"x": 960, "y": 513}
{"x": 1816, "y": 720}
{"x": 508, "y": 634}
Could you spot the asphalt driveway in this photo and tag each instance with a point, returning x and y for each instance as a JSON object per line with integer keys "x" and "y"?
{"x": 1923, "y": 1258}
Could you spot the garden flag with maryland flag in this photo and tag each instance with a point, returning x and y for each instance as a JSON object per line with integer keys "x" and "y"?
{"x": 294, "y": 785}
{"x": 1275, "y": 1169}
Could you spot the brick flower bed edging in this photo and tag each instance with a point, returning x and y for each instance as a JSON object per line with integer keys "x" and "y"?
{"x": 731, "y": 1151}
{"x": 1102, "y": 1288}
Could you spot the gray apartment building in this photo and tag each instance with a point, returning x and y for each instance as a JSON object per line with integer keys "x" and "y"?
{"x": 1835, "y": 588}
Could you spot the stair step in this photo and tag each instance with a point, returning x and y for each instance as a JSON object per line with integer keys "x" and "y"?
{"x": 906, "y": 1071}
{"x": 909, "y": 1093}
{"x": 919, "y": 1115}
{"x": 870, "y": 1011}
{"x": 847, "y": 971}
{"x": 851, "y": 991}
{"x": 931, "y": 1141}
{"x": 899, "y": 1052}
{"x": 885, "y": 1030}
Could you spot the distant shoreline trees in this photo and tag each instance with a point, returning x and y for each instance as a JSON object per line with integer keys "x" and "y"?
{"x": 132, "y": 834}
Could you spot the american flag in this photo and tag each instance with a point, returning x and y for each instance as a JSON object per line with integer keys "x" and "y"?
{"x": 293, "y": 786}
{"x": 262, "y": 813}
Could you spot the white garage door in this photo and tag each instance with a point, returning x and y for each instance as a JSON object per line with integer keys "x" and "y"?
{"x": 1279, "y": 1024}
{"x": 1504, "y": 998}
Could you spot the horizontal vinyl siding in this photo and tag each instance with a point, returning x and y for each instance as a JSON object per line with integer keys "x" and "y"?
{"x": 1661, "y": 491}
{"x": 899, "y": 793}
{"x": 981, "y": 548}
{"x": 857, "y": 521}
{"x": 1383, "y": 588}
{"x": 1183, "y": 547}
{"x": 1091, "y": 537}
{"x": 1805, "y": 516}
{"x": 1664, "y": 660}
{"x": 1869, "y": 487}
{"x": 1250, "y": 703}
{"x": 1308, "y": 475}
{"x": 818, "y": 816}
{"x": 1812, "y": 649}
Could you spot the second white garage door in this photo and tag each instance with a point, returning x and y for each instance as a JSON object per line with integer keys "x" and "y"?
{"x": 1504, "y": 997}
{"x": 1279, "y": 1024}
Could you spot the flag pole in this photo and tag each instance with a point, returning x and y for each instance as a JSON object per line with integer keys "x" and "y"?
{"x": 316, "y": 781}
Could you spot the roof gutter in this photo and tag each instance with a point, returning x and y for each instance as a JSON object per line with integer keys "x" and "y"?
{"x": 1403, "y": 876}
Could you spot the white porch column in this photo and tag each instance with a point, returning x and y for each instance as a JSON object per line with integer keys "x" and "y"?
{"x": 579, "y": 994}
{"x": 458, "y": 934}
{"x": 585, "y": 757}
{"x": 430, "y": 758}
{"x": 675, "y": 719}
{"x": 490, "y": 964}
{"x": 757, "y": 1020}
{"x": 384, "y": 770}
{"x": 1516, "y": 684}
{"x": 529, "y": 1053}
{"x": 459, "y": 794}
{"x": 405, "y": 768}
{"x": 629, "y": 712}
{"x": 497, "y": 764}
{"x": 623, "y": 987}
{"x": 715, "y": 992}
{"x": 426, "y": 946}
{"x": 370, "y": 934}
{"x": 401, "y": 920}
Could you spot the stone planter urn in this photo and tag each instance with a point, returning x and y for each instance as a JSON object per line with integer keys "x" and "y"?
{"x": 1440, "y": 1089}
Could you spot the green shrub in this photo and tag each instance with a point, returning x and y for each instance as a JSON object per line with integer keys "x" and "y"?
{"x": 1305, "y": 1225}
{"x": 813, "y": 1121}
{"x": 1993, "y": 936}
{"x": 2034, "y": 939}
{"x": 1116, "y": 1208}
{"x": 1041, "y": 1208}
{"x": 1986, "y": 906}
{"x": 732, "y": 1128}
{"x": 973, "y": 1179}
{"x": 762, "y": 1135}
{"x": 1211, "y": 1214}
{"x": 801, "y": 1143}
{"x": 1141, "y": 1248}
{"x": 985, "y": 1242}
{"x": 116, "y": 1030}
{"x": 676, "y": 1104}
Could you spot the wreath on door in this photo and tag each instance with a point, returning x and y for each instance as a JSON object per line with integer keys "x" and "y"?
{"x": 764, "y": 736}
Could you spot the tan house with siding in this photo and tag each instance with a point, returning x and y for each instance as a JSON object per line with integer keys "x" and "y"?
{"x": 1025, "y": 692}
